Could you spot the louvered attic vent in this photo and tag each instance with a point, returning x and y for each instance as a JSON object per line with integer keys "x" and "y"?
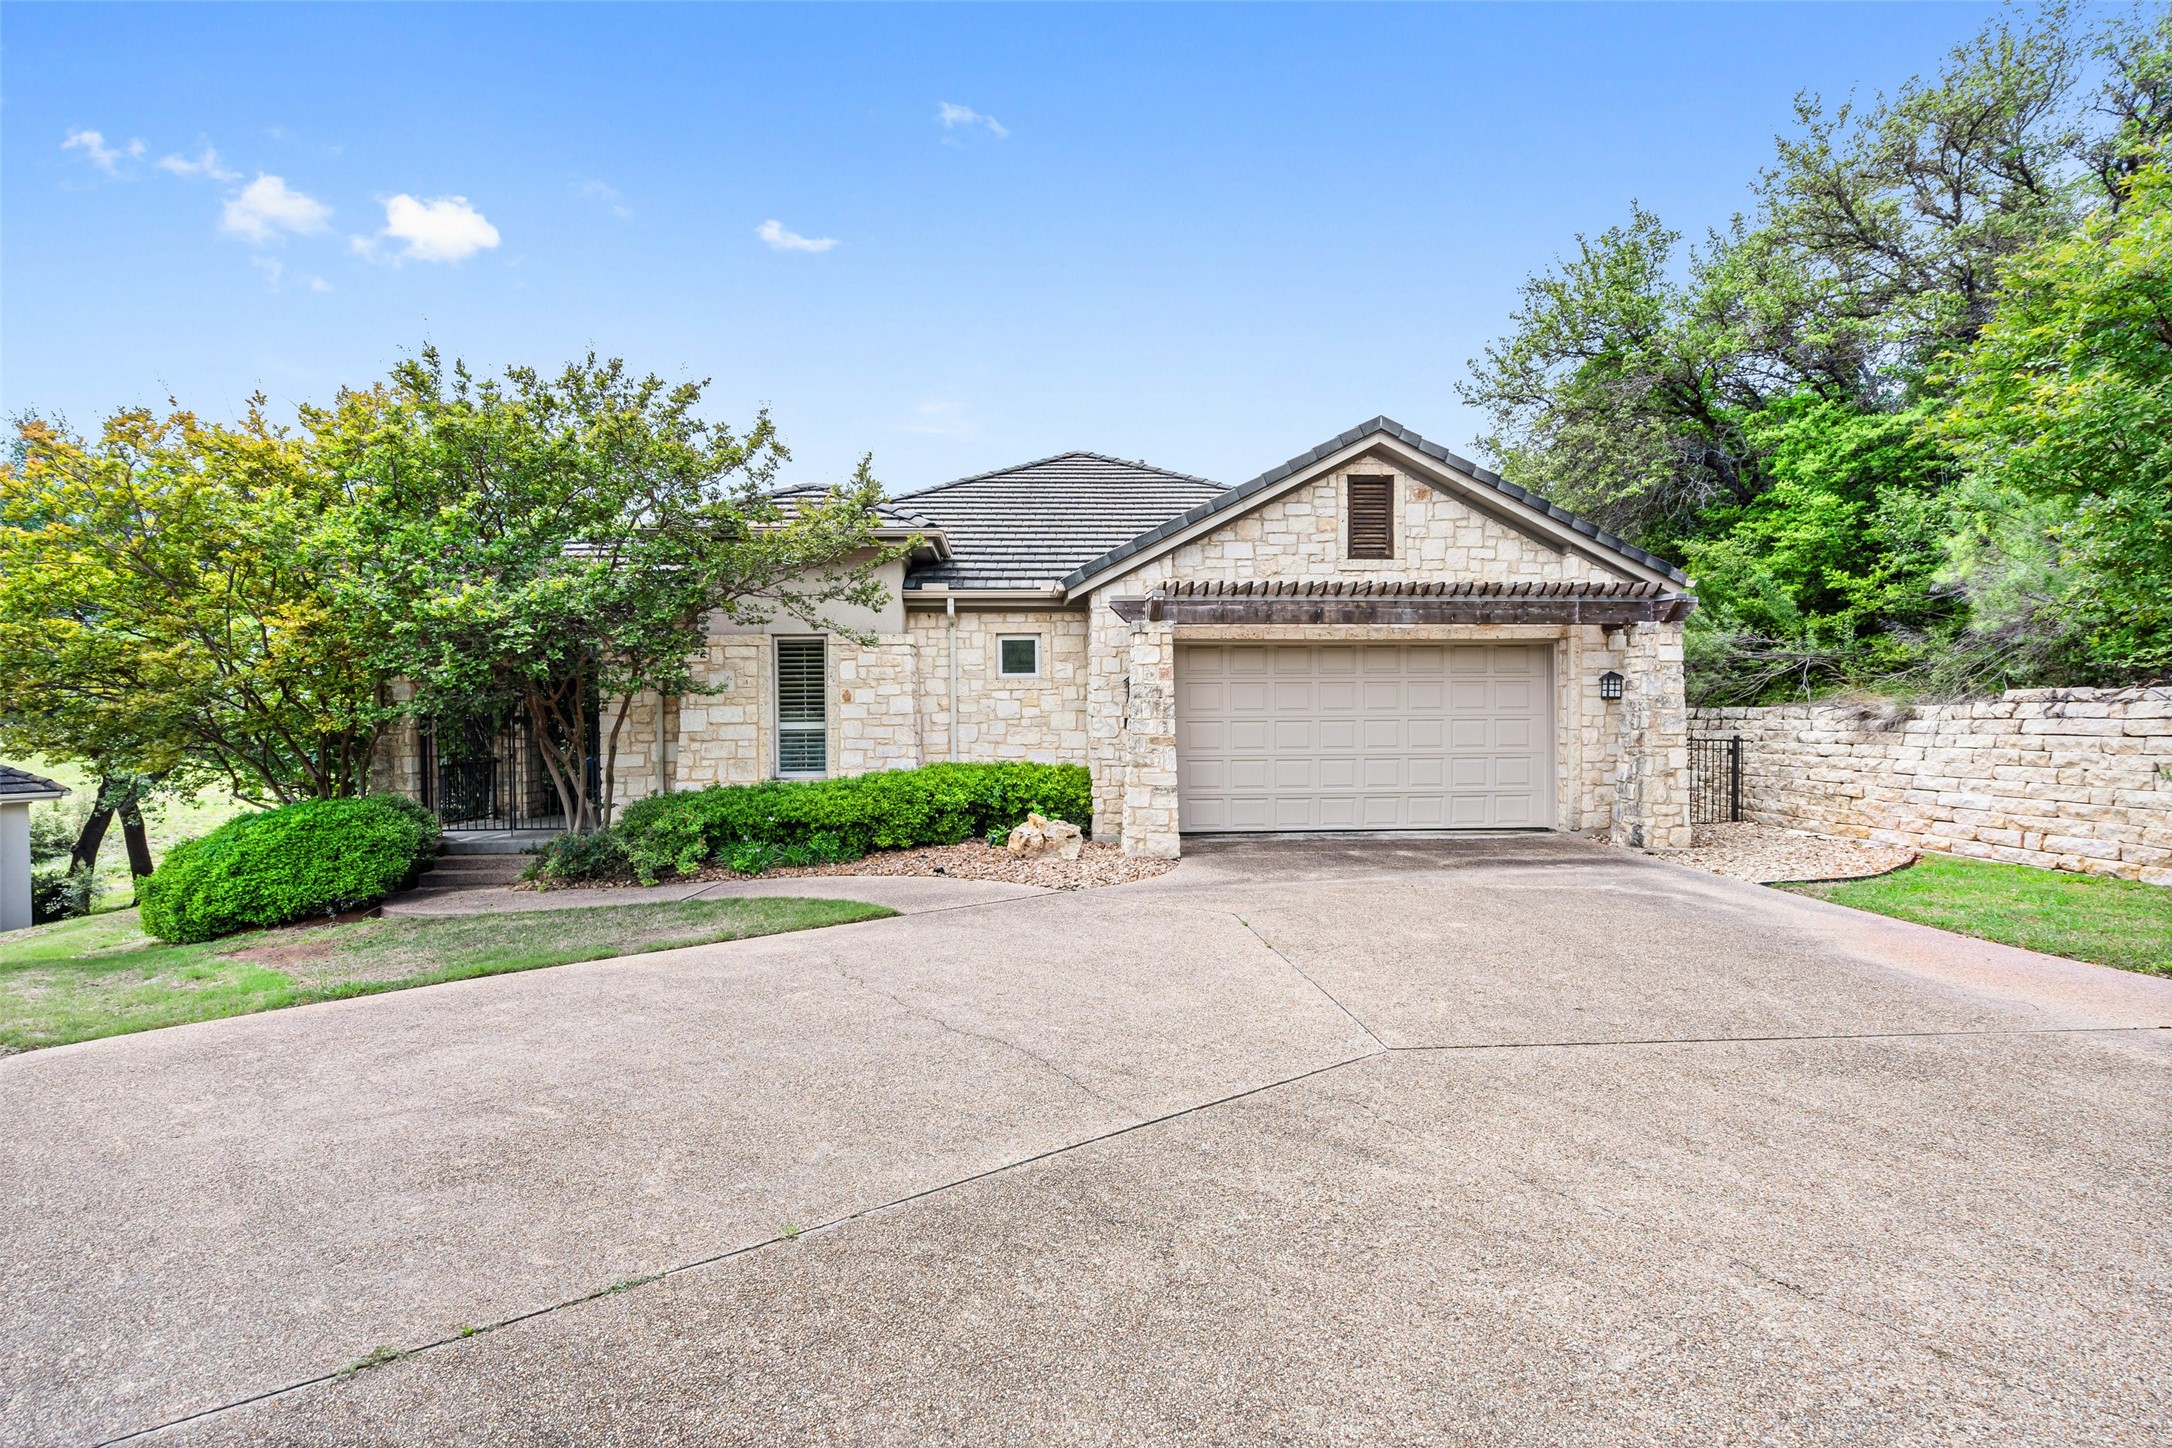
{"x": 1372, "y": 516}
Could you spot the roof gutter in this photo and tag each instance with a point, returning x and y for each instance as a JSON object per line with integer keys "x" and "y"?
{"x": 937, "y": 595}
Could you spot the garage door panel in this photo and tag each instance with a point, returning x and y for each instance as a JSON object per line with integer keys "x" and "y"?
{"x": 1294, "y": 734}
{"x": 1517, "y": 810}
{"x": 1371, "y": 736}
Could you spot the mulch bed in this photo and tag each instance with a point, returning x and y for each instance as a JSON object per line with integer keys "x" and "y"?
{"x": 1766, "y": 855}
{"x": 1096, "y": 865}
{"x": 974, "y": 860}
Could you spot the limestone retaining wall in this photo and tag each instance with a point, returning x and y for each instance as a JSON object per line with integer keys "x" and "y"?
{"x": 2072, "y": 779}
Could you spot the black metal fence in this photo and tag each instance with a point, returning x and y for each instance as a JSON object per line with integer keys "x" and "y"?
{"x": 1715, "y": 781}
{"x": 490, "y": 775}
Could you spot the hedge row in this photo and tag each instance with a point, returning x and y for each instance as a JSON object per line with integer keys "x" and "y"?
{"x": 315, "y": 858}
{"x": 749, "y": 826}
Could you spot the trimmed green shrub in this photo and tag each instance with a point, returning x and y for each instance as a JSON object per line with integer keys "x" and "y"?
{"x": 750, "y": 827}
{"x": 573, "y": 856}
{"x": 318, "y": 857}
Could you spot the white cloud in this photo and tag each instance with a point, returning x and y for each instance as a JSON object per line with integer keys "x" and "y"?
{"x": 606, "y": 195}
{"x": 779, "y": 239}
{"x": 950, "y": 117}
{"x": 267, "y": 206}
{"x": 272, "y": 268}
{"x": 939, "y": 418}
{"x": 95, "y": 150}
{"x": 444, "y": 228}
{"x": 207, "y": 166}
{"x": 319, "y": 284}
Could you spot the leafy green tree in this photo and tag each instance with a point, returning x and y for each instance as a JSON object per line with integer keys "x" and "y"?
{"x": 540, "y": 546}
{"x": 1621, "y": 391}
{"x": 2062, "y": 409}
{"x": 1764, "y": 405}
{"x": 163, "y": 611}
{"x": 1831, "y": 572}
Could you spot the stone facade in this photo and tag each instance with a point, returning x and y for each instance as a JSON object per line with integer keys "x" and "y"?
{"x": 928, "y": 687}
{"x": 1039, "y": 717}
{"x": 2069, "y": 779}
{"x": 1641, "y": 742}
{"x": 1651, "y": 775}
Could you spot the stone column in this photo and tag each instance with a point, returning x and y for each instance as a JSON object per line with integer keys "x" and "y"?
{"x": 1149, "y": 743}
{"x": 1651, "y": 782}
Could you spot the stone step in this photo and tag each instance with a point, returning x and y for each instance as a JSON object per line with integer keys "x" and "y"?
{"x": 493, "y": 842}
{"x": 452, "y": 871}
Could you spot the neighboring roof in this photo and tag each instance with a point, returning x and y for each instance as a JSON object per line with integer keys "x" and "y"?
{"x": 21, "y": 784}
{"x": 1029, "y": 525}
{"x": 893, "y": 512}
{"x": 1235, "y": 499}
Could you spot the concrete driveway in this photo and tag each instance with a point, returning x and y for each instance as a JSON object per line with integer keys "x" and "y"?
{"x": 1490, "y": 1141}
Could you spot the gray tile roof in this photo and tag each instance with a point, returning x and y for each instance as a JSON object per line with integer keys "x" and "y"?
{"x": 1232, "y": 498}
{"x": 1028, "y": 526}
{"x": 21, "y": 782}
{"x": 893, "y": 512}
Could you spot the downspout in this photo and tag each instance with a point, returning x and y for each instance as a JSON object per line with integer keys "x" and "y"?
{"x": 667, "y": 743}
{"x": 950, "y": 735}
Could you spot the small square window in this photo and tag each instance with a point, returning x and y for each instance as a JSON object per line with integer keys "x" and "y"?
{"x": 1019, "y": 656}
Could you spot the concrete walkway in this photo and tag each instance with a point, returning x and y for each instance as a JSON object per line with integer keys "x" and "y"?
{"x": 1491, "y": 1141}
{"x": 908, "y": 894}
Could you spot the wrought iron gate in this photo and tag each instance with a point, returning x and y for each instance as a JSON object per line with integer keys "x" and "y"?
{"x": 490, "y": 775}
{"x": 1715, "y": 781}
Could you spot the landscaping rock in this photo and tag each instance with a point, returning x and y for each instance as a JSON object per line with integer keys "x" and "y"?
{"x": 1765, "y": 855}
{"x": 1040, "y": 838}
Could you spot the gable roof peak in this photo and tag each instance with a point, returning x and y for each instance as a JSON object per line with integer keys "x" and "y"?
{"x": 1127, "y": 465}
{"x": 1235, "y": 498}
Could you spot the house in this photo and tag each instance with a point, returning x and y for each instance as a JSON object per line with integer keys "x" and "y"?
{"x": 19, "y": 790}
{"x": 1376, "y": 635}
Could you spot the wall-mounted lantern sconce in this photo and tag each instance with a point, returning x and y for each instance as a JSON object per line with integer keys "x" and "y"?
{"x": 1610, "y": 685}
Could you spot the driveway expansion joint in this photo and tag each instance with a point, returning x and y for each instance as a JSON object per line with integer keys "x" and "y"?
{"x": 1370, "y": 1033}
{"x": 918, "y": 1014}
{"x": 1965, "y": 1033}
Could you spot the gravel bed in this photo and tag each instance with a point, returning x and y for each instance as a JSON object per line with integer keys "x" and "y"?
{"x": 1766, "y": 855}
{"x": 1096, "y": 865}
{"x": 974, "y": 860}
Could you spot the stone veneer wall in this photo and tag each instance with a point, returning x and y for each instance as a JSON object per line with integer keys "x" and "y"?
{"x": 1105, "y": 696}
{"x": 2072, "y": 779}
{"x": 1130, "y": 695}
{"x": 1002, "y": 717}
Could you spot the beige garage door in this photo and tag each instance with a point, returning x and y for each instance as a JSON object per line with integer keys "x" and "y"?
{"x": 1364, "y": 736}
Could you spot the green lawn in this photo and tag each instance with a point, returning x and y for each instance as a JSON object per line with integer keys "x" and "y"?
{"x": 102, "y": 976}
{"x": 2085, "y": 917}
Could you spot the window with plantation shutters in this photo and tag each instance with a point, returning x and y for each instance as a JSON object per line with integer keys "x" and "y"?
{"x": 1372, "y": 516}
{"x": 802, "y": 708}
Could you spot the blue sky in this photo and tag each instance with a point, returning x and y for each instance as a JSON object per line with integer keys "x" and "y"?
{"x": 1208, "y": 237}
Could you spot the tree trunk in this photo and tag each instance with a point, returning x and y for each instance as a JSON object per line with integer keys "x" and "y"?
{"x": 139, "y": 842}
{"x": 85, "y": 854}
